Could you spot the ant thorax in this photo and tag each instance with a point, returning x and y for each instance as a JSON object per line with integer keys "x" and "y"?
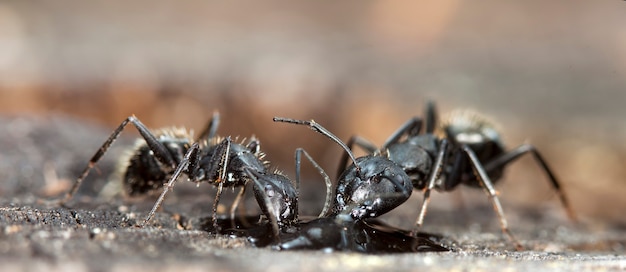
{"x": 470, "y": 128}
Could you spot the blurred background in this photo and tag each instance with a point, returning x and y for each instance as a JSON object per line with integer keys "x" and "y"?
{"x": 551, "y": 73}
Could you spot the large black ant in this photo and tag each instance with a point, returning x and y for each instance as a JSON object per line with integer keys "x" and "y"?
{"x": 368, "y": 188}
{"x": 167, "y": 153}
{"x": 371, "y": 186}
{"x": 470, "y": 152}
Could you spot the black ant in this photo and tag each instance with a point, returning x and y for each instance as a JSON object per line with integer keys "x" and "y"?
{"x": 470, "y": 152}
{"x": 166, "y": 153}
{"x": 371, "y": 186}
{"x": 368, "y": 188}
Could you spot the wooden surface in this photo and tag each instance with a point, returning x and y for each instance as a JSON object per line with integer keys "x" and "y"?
{"x": 99, "y": 235}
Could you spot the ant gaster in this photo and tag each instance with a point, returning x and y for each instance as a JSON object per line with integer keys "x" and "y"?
{"x": 470, "y": 152}
{"x": 167, "y": 153}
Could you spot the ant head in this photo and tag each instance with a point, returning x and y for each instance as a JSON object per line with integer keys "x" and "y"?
{"x": 379, "y": 186}
{"x": 276, "y": 195}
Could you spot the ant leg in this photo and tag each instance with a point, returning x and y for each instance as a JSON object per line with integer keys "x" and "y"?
{"x": 159, "y": 150}
{"x": 273, "y": 218}
{"x": 434, "y": 175}
{"x": 492, "y": 193}
{"x": 255, "y": 147}
{"x": 431, "y": 117}
{"x": 210, "y": 130}
{"x": 216, "y": 227}
{"x": 360, "y": 142}
{"x": 223, "y": 153}
{"x": 527, "y": 148}
{"x": 411, "y": 127}
{"x": 190, "y": 156}
{"x": 321, "y": 130}
{"x": 233, "y": 208}
{"x": 329, "y": 184}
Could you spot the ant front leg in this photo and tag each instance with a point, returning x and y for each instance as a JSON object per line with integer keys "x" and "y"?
{"x": 329, "y": 184}
{"x": 233, "y": 208}
{"x": 485, "y": 181}
{"x": 527, "y": 148}
{"x": 159, "y": 150}
{"x": 411, "y": 128}
{"x": 219, "y": 165}
{"x": 190, "y": 160}
{"x": 255, "y": 147}
{"x": 434, "y": 175}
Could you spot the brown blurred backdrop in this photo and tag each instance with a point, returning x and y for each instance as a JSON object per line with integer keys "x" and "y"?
{"x": 550, "y": 72}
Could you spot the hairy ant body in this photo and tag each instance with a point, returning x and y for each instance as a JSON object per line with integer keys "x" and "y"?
{"x": 167, "y": 153}
{"x": 470, "y": 152}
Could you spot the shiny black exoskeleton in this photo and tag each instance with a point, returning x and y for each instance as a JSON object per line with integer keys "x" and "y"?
{"x": 163, "y": 155}
{"x": 341, "y": 228}
{"x": 277, "y": 196}
{"x": 468, "y": 152}
{"x": 371, "y": 186}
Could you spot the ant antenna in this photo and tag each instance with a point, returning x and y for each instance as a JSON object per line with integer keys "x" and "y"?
{"x": 320, "y": 129}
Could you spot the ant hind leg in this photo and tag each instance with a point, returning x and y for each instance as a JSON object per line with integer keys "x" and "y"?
{"x": 190, "y": 156}
{"x": 491, "y": 192}
{"x": 527, "y": 148}
{"x": 159, "y": 150}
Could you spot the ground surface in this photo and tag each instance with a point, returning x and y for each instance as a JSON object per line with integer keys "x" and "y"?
{"x": 39, "y": 157}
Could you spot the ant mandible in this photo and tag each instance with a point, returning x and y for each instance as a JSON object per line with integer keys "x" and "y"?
{"x": 470, "y": 152}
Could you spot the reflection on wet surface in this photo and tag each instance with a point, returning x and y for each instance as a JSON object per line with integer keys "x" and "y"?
{"x": 328, "y": 234}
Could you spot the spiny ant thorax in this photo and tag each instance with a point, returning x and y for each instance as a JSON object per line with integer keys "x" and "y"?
{"x": 241, "y": 156}
{"x": 143, "y": 173}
